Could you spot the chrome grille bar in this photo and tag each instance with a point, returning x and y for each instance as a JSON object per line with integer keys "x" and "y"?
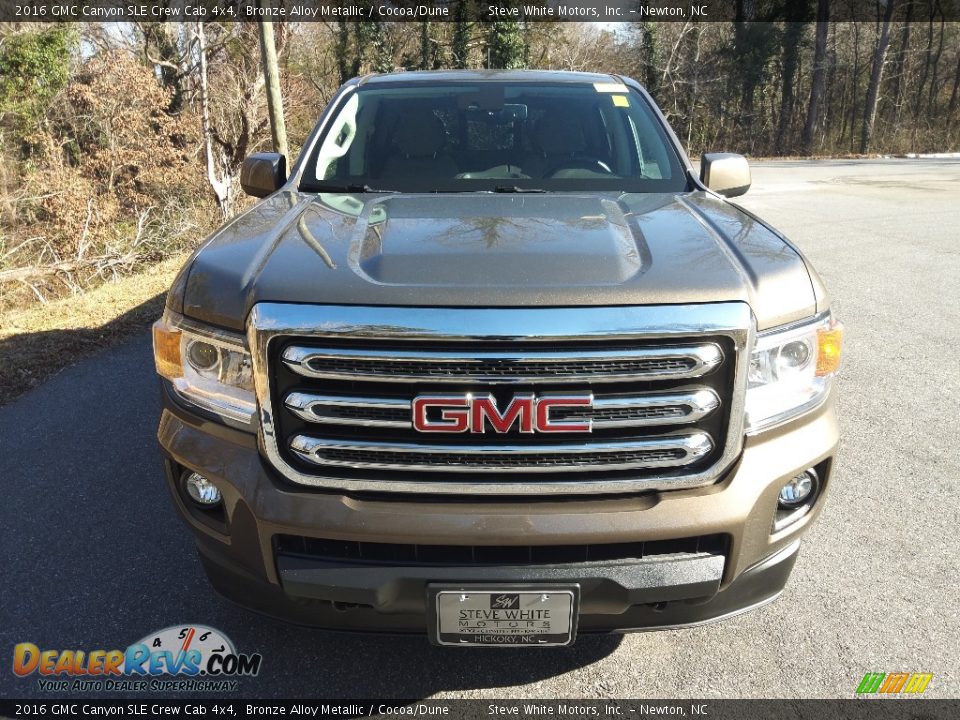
{"x": 653, "y": 409}
{"x": 669, "y": 451}
{"x": 594, "y": 366}
{"x": 337, "y": 410}
{"x": 607, "y": 412}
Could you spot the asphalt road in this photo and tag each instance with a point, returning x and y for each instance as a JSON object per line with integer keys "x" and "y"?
{"x": 94, "y": 557}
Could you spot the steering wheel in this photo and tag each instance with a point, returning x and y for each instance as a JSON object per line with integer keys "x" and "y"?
{"x": 580, "y": 164}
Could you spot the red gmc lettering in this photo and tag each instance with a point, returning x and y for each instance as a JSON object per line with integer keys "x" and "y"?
{"x": 454, "y": 415}
{"x": 462, "y": 413}
{"x": 520, "y": 408}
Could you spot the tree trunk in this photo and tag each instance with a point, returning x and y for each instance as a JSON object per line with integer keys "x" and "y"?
{"x": 755, "y": 42}
{"x": 932, "y": 101}
{"x": 461, "y": 37}
{"x": 899, "y": 85}
{"x": 955, "y": 95}
{"x": 651, "y": 57}
{"x": 918, "y": 99}
{"x": 221, "y": 187}
{"x": 850, "y": 104}
{"x": 425, "y": 53}
{"x": 832, "y": 98}
{"x": 693, "y": 91}
{"x": 271, "y": 72}
{"x": 791, "y": 56}
{"x": 341, "y": 48}
{"x": 170, "y": 59}
{"x": 819, "y": 74}
{"x": 876, "y": 77}
{"x": 741, "y": 48}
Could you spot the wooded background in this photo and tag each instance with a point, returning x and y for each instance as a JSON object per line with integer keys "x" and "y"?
{"x": 121, "y": 144}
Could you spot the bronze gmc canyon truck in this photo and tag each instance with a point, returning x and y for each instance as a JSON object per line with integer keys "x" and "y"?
{"x": 491, "y": 362}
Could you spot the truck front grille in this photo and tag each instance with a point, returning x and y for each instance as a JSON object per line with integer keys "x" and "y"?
{"x": 340, "y": 403}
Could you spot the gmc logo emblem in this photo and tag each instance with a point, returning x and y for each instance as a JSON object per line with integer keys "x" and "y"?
{"x": 475, "y": 413}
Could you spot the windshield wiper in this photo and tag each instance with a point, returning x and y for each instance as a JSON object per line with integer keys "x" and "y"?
{"x": 352, "y": 188}
{"x": 516, "y": 189}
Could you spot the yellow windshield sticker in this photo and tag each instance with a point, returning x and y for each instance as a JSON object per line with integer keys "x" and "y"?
{"x": 621, "y": 101}
{"x": 610, "y": 87}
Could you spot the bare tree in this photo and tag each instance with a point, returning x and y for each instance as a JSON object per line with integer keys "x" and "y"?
{"x": 954, "y": 95}
{"x": 900, "y": 66}
{"x": 931, "y": 100}
{"x": 232, "y": 104}
{"x": 792, "y": 36}
{"x": 271, "y": 71}
{"x": 819, "y": 74}
{"x": 219, "y": 181}
{"x": 876, "y": 77}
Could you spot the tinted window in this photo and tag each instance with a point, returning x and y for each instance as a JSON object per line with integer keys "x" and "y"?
{"x": 460, "y": 137}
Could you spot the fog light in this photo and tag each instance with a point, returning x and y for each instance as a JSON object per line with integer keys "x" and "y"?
{"x": 798, "y": 490}
{"x": 202, "y": 491}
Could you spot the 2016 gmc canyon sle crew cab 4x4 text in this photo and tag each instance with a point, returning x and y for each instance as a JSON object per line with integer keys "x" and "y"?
{"x": 493, "y": 363}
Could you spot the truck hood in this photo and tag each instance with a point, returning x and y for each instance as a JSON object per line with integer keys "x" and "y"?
{"x": 494, "y": 250}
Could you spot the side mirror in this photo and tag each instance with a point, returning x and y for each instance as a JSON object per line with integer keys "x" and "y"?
{"x": 263, "y": 173}
{"x": 725, "y": 173}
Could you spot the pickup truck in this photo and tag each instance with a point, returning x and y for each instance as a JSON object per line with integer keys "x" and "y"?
{"x": 493, "y": 363}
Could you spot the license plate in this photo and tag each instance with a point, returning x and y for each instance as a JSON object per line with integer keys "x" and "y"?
{"x": 503, "y": 616}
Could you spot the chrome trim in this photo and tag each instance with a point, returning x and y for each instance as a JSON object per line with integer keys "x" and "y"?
{"x": 307, "y": 407}
{"x": 697, "y": 405}
{"x": 789, "y": 327}
{"x": 221, "y": 405}
{"x": 704, "y": 357}
{"x": 669, "y": 323}
{"x": 693, "y": 445}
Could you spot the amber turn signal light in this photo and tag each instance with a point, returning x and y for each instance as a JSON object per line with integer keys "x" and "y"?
{"x": 166, "y": 350}
{"x": 829, "y": 349}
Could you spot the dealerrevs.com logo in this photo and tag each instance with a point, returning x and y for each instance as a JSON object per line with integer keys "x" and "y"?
{"x": 178, "y": 658}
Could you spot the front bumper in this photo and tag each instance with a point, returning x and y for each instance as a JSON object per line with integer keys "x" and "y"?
{"x": 240, "y": 554}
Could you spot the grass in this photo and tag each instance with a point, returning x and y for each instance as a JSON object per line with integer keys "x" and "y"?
{"x": 40, "y": 340}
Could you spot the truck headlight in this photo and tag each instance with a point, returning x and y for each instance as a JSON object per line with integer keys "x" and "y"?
{"x": 791, "y": 371}
{"x": 208, "y": 367}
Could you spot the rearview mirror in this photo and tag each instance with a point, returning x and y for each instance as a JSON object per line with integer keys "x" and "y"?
{"x": 263, "y": 173}
{"x": 509, "y": 113}
{"x": 725, "y": 173}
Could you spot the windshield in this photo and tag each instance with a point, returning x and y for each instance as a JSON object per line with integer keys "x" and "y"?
{"x": 493, "y": 136}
